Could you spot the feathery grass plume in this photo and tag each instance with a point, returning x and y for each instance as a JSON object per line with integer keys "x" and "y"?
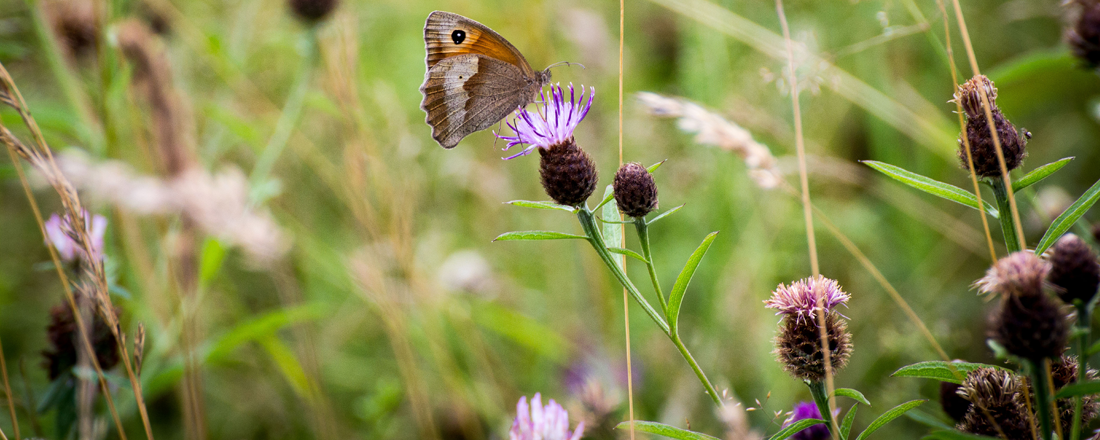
{"x": 998, "y": 404}
{"x": 713, "y": 129}
{"x": 983, "y": 151}
{"x": 1063, "y": 372}
{"x": 635, "y": 190}
{"x": 1074, "y": 270}
{"x": 568, "y": 173}
{"x": 61, "y": 355}
{"x": 152, "y": 78}
{"x": 953, "y": 404}
{"x": 803, "y": 411}
{"x": 75, "y": 24}
{"x": 1028, "y": 322}
{"x": 312, "y": 11}
{"x": 798, "y": 342}
{"x": 217, "y": 203}
{"x": 542, "y": 423}
{"x": 1084, "y": 35}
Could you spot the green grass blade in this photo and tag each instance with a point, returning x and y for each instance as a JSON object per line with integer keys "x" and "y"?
{"x": 1039, "y": 174}
{"x": 536, "y": 235}
{"x": 542, "y": 205}
{"x": 1080, "y": 389}
{"x": 794, "y": 428}
{"x": 889, "y": 416}
{"x": 846, "y": 425}
{"x": 855, "y": 394}
{"x": 607, "y": 197}
{"x": 664, "y": 214}
{"x": 930, "y": 186}
{"x": 1069, "y": 217}
{"x": 654, "y": 167}
{"x": 940, "y": 370}
{"x": 665, "y": 430}
{"x": 627, "y": 252}
{"x": 676, "y": 298}
{"x": 929, "y": 419}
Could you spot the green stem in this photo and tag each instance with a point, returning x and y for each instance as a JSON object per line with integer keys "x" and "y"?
{"x": 1043, "y": 405}
{"x": 643, "y": 236}
{"x": 588, "y": 223}
{"x": 1004, "y": 208}
{"x": 821, "y": 398}
{"x": 1083, "y": 341}
{"x": 289, "y": 116}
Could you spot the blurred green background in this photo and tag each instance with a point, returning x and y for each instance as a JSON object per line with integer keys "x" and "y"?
{"x": 394, "y": 315}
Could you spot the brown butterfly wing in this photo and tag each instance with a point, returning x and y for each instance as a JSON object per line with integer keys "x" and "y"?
{"x": 447, "y": 35}
{"x": 471, "y": 92}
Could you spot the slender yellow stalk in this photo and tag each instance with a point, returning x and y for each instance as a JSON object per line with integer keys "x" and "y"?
{"x": 626, "y": 302}
{"x": 7, "y": 392}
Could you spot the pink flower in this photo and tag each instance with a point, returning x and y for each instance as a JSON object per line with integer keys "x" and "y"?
{"x": 57, "y": 233}
{"x": 542, "y": 423}
{"x": 800, "y": 299}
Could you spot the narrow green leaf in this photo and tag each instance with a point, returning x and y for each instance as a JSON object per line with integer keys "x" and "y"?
{"x": 889, "y": 416}
{"x": 627, "y": 252}
{"x": 1069, "y": 217}
{"x": 536, "y": 235}
{"x": 926, "y": 418}
{"x": 607, "y": 197}
{"x": 1039, "y": 174}
{"x": 654, "y": 167}
{"x": 664, "y": 214}
{"x": 846, "y": 425}
{"x": 940, "y": 370}
{"x": 665, "y": 430}
{"x": 930, "y": 186}
{"x": 210, "y": 261}
{"x": 1095, "y": 348}
{"x": 955, "y": 435}
{"x": 542, "y": 205}
{"x": 855, "y": 394}
{"x": 612, "y": 231}
{"x": 1079, "y": 389}
{"x": 794, "y": 428}
{"x": 676, "y": 298}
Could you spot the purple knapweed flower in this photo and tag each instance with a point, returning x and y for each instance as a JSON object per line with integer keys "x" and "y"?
{"x": 800, "y": 299}
{"x": 542, "y": 423}
{"x": 69, "y": 249}
{"x": 552, "y": 123}
{"x": 803, "y": 411}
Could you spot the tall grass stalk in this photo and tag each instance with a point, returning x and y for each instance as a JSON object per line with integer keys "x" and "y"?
{"x": 8, "y": 394}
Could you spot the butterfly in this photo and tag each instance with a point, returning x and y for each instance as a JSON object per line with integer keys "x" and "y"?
{"x": 475, "y": 77}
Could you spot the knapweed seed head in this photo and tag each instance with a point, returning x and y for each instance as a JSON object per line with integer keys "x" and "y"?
{"x": 798, "y": 342}
{"x": 1084, "y": 36}
{"x": 1074, "y": 270}
{"x": 1031, "y": 326}
{"x": 953, "y": 404}
{"x": 312, "y": 11}
{"x": 982, "y": 148}
{"x": 64, "y": 238}
{"x": 542, "y": 423}
{"x": 635, "y": 190}
{"x": 803, "y": 411}
{"x": 997, "y": 406}
{"x": 1063, "y": 372}
{"x": 1018, "y": 273}
{"x": 803, "y": 298}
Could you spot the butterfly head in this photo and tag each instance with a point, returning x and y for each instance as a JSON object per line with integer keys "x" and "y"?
{"x": 542, "y": 78}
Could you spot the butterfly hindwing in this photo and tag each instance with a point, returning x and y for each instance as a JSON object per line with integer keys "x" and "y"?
{"x": 471, "y": 92}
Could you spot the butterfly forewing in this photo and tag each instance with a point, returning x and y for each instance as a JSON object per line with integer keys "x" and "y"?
{"x": 447, "y": 35}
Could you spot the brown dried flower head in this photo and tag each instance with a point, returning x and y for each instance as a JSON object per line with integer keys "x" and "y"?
{"x": 312, "y": 11}
{"x": 982, "y": 148}
{"x": 568, "y": 173}
{"x": 1084, "y": 37}
{"x": 1063, "y": 371}
{"x": 635, "y": 190}
{"x": 62, "y": 333}
{"x": 1019, "y": 273}
{"x": 1074, "y": 270}
{"x": 997, "y": 404}
{"x": 1031, "y": 326}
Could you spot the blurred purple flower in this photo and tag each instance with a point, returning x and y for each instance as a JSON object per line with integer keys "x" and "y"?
{"x": 67, "y": 248}
{"x": 803, "y": 411}
{"x": 552, "y": 123}
{"x": 799, "y": 300}
{"x": 542, "y": 423}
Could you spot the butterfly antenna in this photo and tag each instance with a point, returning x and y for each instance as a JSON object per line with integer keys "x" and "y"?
{"x": 565, "y": 63}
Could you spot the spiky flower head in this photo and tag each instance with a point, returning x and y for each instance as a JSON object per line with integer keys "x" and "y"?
{"x": 998, "y": 404}
{"x": 312, "y": 11}
{"x": 982, "y": 148}
{"x": 803, "y": 411}
{"x": 1031, "y": 326}
{"x": 635, "y": 190}
{"x": 63, "y": 238}
{"x": 804, "y": 297}
{"x": 1074, "y": 270}
{"x": 1063, "y": 372}
{"x": 1084, "y": 36}
{"x": 1019, "y": 273}
{"x": 552, "y": 122}
{"x": 542, "y": 423}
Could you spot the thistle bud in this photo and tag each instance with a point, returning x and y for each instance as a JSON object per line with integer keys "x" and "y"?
{"x": 798, "y": 344}
{"x": 1074, "y": 270}
{"x": 568, "y": 173}
{"x": 982, "y": 149}
{"x": 1031, "y": 326}
{"x": 997, "y": 406}
{"x": 635, "y": 190}
{"x": 312, "y": 11}
{"x": 1084, "y": 36}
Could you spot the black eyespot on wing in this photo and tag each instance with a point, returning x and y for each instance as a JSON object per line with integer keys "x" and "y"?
{"x": 458, "y": 36}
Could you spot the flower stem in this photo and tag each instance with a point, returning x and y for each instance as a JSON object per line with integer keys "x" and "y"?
{"x": 1004, "y": 208}
{"x": 821, "y": 398}
{"x": 643, "y": 236}
{"x": 1043, "y": 404}
{"x": 588, "y": 223}
{"x": 1083, "y": 341}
